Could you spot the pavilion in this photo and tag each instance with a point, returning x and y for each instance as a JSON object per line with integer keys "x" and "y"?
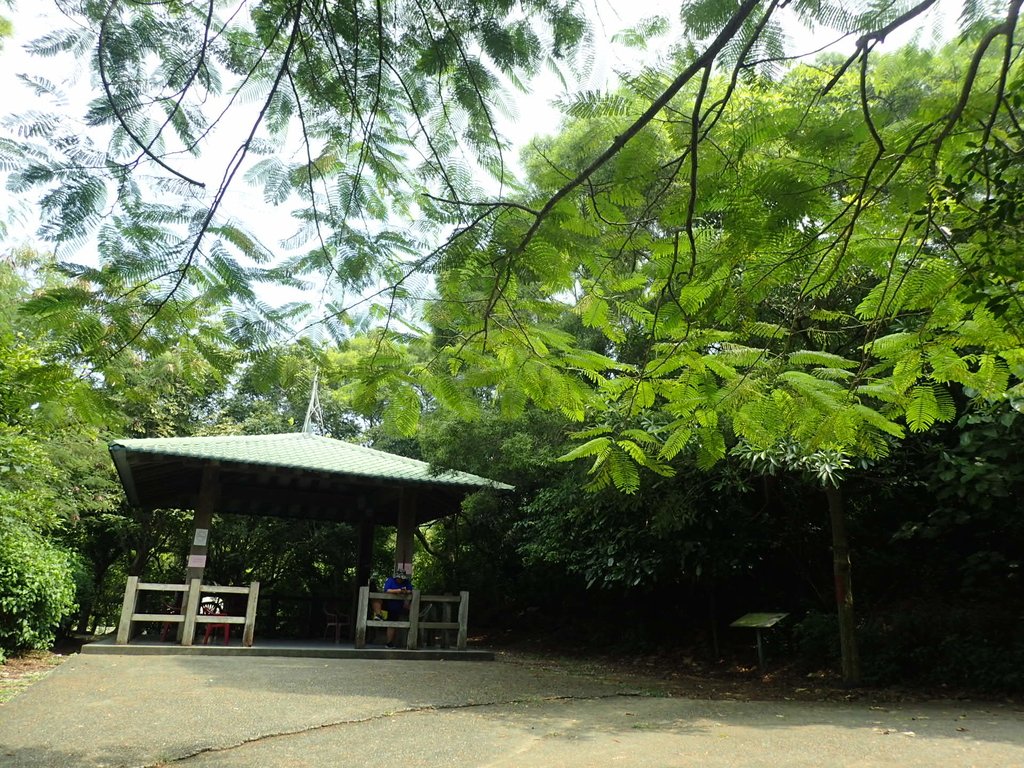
{"x": 298, "y": 475}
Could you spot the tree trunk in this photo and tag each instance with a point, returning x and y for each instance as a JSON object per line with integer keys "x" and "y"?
{"x": 99, "y": 575}
{"x": 716, "y": 648}
{"x": 844, "y": 590}
{"x": 138, "y": 563}
{"x": 84, "y": 616}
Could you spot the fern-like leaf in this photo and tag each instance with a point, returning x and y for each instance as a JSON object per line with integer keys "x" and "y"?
{"x": 923, "y": 410}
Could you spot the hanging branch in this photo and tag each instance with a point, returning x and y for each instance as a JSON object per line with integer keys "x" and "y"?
{"x": 229, "y": 174}
{"x": 122, "y": 118}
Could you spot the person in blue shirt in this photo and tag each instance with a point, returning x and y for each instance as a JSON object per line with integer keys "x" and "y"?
{"x": 398, "y": 610}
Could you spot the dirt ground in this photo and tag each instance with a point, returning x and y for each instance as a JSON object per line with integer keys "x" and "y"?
{"x": 687, "y": 672}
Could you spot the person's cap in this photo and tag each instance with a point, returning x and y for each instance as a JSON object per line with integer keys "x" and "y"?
{"x": 401, "y": 574}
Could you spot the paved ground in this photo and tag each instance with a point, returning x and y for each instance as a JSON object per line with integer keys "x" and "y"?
{"x": 220, "y": 712}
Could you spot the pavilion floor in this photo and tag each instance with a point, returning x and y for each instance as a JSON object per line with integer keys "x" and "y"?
{"x": 322, "y": 649}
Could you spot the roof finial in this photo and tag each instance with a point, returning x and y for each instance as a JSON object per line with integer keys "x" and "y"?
{"x": 313, "y": 410}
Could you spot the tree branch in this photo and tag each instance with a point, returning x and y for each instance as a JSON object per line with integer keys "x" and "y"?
{"x": 706, "y": 59}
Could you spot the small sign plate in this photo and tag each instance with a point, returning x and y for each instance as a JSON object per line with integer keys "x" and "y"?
{"x": 759, "y": 620}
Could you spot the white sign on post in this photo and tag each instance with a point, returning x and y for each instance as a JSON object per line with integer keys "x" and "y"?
{"x": 197, "y": 561}
{"x": 202, "y": 535}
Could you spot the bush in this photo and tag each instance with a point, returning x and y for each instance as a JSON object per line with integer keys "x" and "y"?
{"x": 816, "y": 640}
{"x": 37, "y": 587}
{"x": 976, "y": 646}
{"x": 970, "y": 646}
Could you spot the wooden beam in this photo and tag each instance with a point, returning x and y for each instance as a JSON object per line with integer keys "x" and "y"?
{"x": 362, "y": 605}
{"x": 446, "y": 617}
{"x": 163, "y": 618}
{"x": 218, "y": 590}
{"x": 463, "y": 620}
{"x": 191, "y": 609}
{"x": 124, "y": 626}
{"x": 216, "y": 618}
{"x": 338, "y": 502}
{"x": 413, "y": 639}
{"x": 250, "y": 614}
{"x": 159, "y": 587}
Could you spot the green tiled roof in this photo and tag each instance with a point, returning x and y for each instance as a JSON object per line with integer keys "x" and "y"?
{"x": 302, "y": 451}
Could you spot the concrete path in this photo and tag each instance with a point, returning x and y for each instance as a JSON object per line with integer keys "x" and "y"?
{"x": 224, "y": 712}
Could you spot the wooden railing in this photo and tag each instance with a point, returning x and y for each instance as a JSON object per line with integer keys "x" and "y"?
{"x": 415, "y": 624}
{"x": 193, "y": 592}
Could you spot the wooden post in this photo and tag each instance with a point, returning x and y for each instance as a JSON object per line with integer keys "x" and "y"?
{"x": 412, "y": 641}
{"x": 364, "y": 553}
{"x": 463, "y": 620}
{"x": 202, "y": 516}
{"x": 191, "y": 608}
{"x": 250, "y": 615}
{"x": 124, "y": 627}
{"x": 364, "y": 557}
{"x": 209, "y": 491}
{"x": 361, "y": 607}
{"x": 406, "y": 529}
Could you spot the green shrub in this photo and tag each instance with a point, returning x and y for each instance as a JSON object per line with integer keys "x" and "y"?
{"x": 37, "y": 587}
{"x": 816, "y": 640}
{"x": 973, "y": 646}
{"x": 976, "y": 646}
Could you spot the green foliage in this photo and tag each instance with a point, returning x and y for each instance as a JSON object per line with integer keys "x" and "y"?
{"x": 828, "y": 465}
{"x": 672, "y": 531}
{"x": 27, "y": 494}
{"x": 781, "y": 274}
{"x": 607, "y": 541}
{"x": 521, "y": 452}
{"x": 979, "y": 470}
{"x": 976, "y": 486}
{"x": 37, "y": 590}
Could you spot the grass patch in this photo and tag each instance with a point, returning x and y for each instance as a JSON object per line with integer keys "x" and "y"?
{"x": 19, "y": 672}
